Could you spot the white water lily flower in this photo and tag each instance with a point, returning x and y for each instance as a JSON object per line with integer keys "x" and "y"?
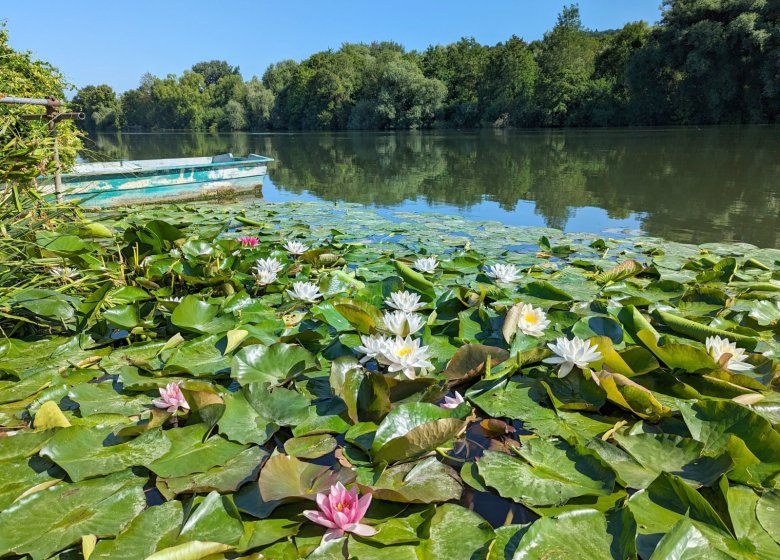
{"x": 426, "y": 265}
{"x": 270, "y": 265}
{"x": 64, "y": 272}
{"x": 374, "y": 346}
{"x": 571, "y": 353}
{"x": 295, "y": 247}
{"x": 453, "y": 402}
{"x": 405, "y": 355}
{"x": 176, "y": 299}
{"x": 404, "y": 301}
{"x": 504, "y": 273}
{"x": 532, "y": 320}
{"x": 305, "y": 291}
{"x": 718, "y": 347}
{"x": 174, "y": 253}
{"x": 264, "y": 276}
{"x": 343, "y": 367}
{"x": 146, "y": 262}
{"x": 401, "y": 323}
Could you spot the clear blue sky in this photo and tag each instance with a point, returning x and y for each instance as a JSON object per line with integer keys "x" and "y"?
{"x": 116, "y": 41}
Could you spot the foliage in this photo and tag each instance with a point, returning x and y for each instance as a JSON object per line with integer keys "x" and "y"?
{"x": 26, "y": 146}
{"x": 654, "y": 447}
{"x": 706, "y": 62}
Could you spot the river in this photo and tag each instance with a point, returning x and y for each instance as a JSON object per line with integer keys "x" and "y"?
{"x": 693, "y": 185}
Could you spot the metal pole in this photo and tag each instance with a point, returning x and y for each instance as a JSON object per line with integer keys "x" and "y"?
{"x": 48, "y": 102}
{"x": 50, "y": 112}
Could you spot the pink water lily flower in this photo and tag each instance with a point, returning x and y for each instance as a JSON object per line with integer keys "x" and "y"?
{"x": 452, "y": 402}
{"x": 341, "y": 512}
{"x": 171, "y": 398}
{"x": 248, "y": 241}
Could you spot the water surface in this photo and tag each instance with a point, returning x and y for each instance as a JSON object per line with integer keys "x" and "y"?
{"x": 684, "y": 184}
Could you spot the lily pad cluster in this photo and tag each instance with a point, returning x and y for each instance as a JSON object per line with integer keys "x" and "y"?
{"x": 196, "y": 381}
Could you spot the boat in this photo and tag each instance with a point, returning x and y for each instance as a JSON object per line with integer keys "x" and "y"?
{"x": 155, "y": 180}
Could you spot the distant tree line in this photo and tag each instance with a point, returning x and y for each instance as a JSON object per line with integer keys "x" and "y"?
{"x": 706, "y": 62}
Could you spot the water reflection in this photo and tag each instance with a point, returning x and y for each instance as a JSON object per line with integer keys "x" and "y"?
{"x": 690, "y": 185}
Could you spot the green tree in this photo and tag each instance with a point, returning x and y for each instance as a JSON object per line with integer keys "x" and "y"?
{"x": 101, "y": 107}
{"x": 214, "y": 70}
{"x": 461, "y": 68}
{"x": 566, "y": 61}
{"x": 506, "y": 92}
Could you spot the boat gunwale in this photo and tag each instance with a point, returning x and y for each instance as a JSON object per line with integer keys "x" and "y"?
{"x": 252, "y": 160}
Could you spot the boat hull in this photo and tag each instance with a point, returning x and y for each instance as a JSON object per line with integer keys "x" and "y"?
{"x": 155, "y": 180}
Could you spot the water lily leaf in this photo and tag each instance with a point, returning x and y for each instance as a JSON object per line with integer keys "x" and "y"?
{"x": 690, "y": 539}
{"x": 193, "y": 314}
{"x": 20, "y": 477}
{"x": 362, "y": 315}
{"x": 310, "y": 447}
{"x": 267, "y": 531}
{"x": 215, "y": 519}
{"x": 662, "y": 504}
{"x": 42, "y": 523}
{"x": 676, "y": 455}
{"x": 713, "y": 422}
{"x": 45, "y": 303}
{"x": 455, "y": 533}
{"x": 270, "y": 364}
{"x": 768, "y": 513}
{"x": 469, "y": 362}
{"x": 101, "y": 398}
{"x": 202, "y": 356}
{"x": 123, "y": 316}
{"x": 23, "y": 444}
{"x": 507, "y": 539}
{"x": 85, "y": 452}
{"x": 676, "y": 355}
{"x": 626, "y": 269}
{"x": 599, "y": 536}
{"x": 630, "y": 395}
{"x": 412, "y": 429}
{"x": 414, "y": 278}
{"x": 193, "y": 550}
{"x": 155, "y": 527}
{"x": 546, "y": 291}
{"x": 221, "y": 478}
{"x": 50, "y": 416}
{"x": 423, "y": 482}
{"x": 285, "y": 477}
{"x": 742, "y": 507}
{"x": 700, "y": 331}
{"x": 242, "y": 423}
{"x": 767, "y": 313}
{"x": 188, "y": 453}
{"x": 555, "y": 472}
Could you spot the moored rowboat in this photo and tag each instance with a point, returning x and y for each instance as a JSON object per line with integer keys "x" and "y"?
{"x": 121, "y": 182}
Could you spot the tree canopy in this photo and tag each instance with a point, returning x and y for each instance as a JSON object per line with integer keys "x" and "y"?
{"x": 706, "y": 62}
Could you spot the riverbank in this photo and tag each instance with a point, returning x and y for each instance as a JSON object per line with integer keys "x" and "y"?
{"x": 417, "y": 357}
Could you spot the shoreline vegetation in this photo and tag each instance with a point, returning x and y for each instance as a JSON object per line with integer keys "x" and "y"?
{"x": 704, "y": 63}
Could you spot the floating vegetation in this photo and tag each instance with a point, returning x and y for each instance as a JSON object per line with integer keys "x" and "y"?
{"x": 273, "y": 381}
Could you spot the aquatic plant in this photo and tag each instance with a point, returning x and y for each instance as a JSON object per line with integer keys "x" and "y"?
{"x": 434, "y": 394}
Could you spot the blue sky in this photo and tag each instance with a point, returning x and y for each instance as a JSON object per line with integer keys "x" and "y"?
{"x": 116, "y": 41}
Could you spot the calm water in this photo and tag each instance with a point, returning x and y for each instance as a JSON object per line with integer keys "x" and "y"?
{"x": 689, "y": 185}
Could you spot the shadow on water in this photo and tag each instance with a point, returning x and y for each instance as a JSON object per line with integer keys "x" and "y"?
{"x": 683, "y": 184}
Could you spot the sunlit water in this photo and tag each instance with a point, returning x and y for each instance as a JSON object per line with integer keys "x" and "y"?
{"x": 684, "y": 184}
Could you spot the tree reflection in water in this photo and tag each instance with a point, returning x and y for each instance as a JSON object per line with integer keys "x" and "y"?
{"x": 683, "y": 184}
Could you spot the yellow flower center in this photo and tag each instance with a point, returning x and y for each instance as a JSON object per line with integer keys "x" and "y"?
{"x": 340, "y": 506}
{"x": 530, "y": 318}
{"x": 405, "y": 351}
